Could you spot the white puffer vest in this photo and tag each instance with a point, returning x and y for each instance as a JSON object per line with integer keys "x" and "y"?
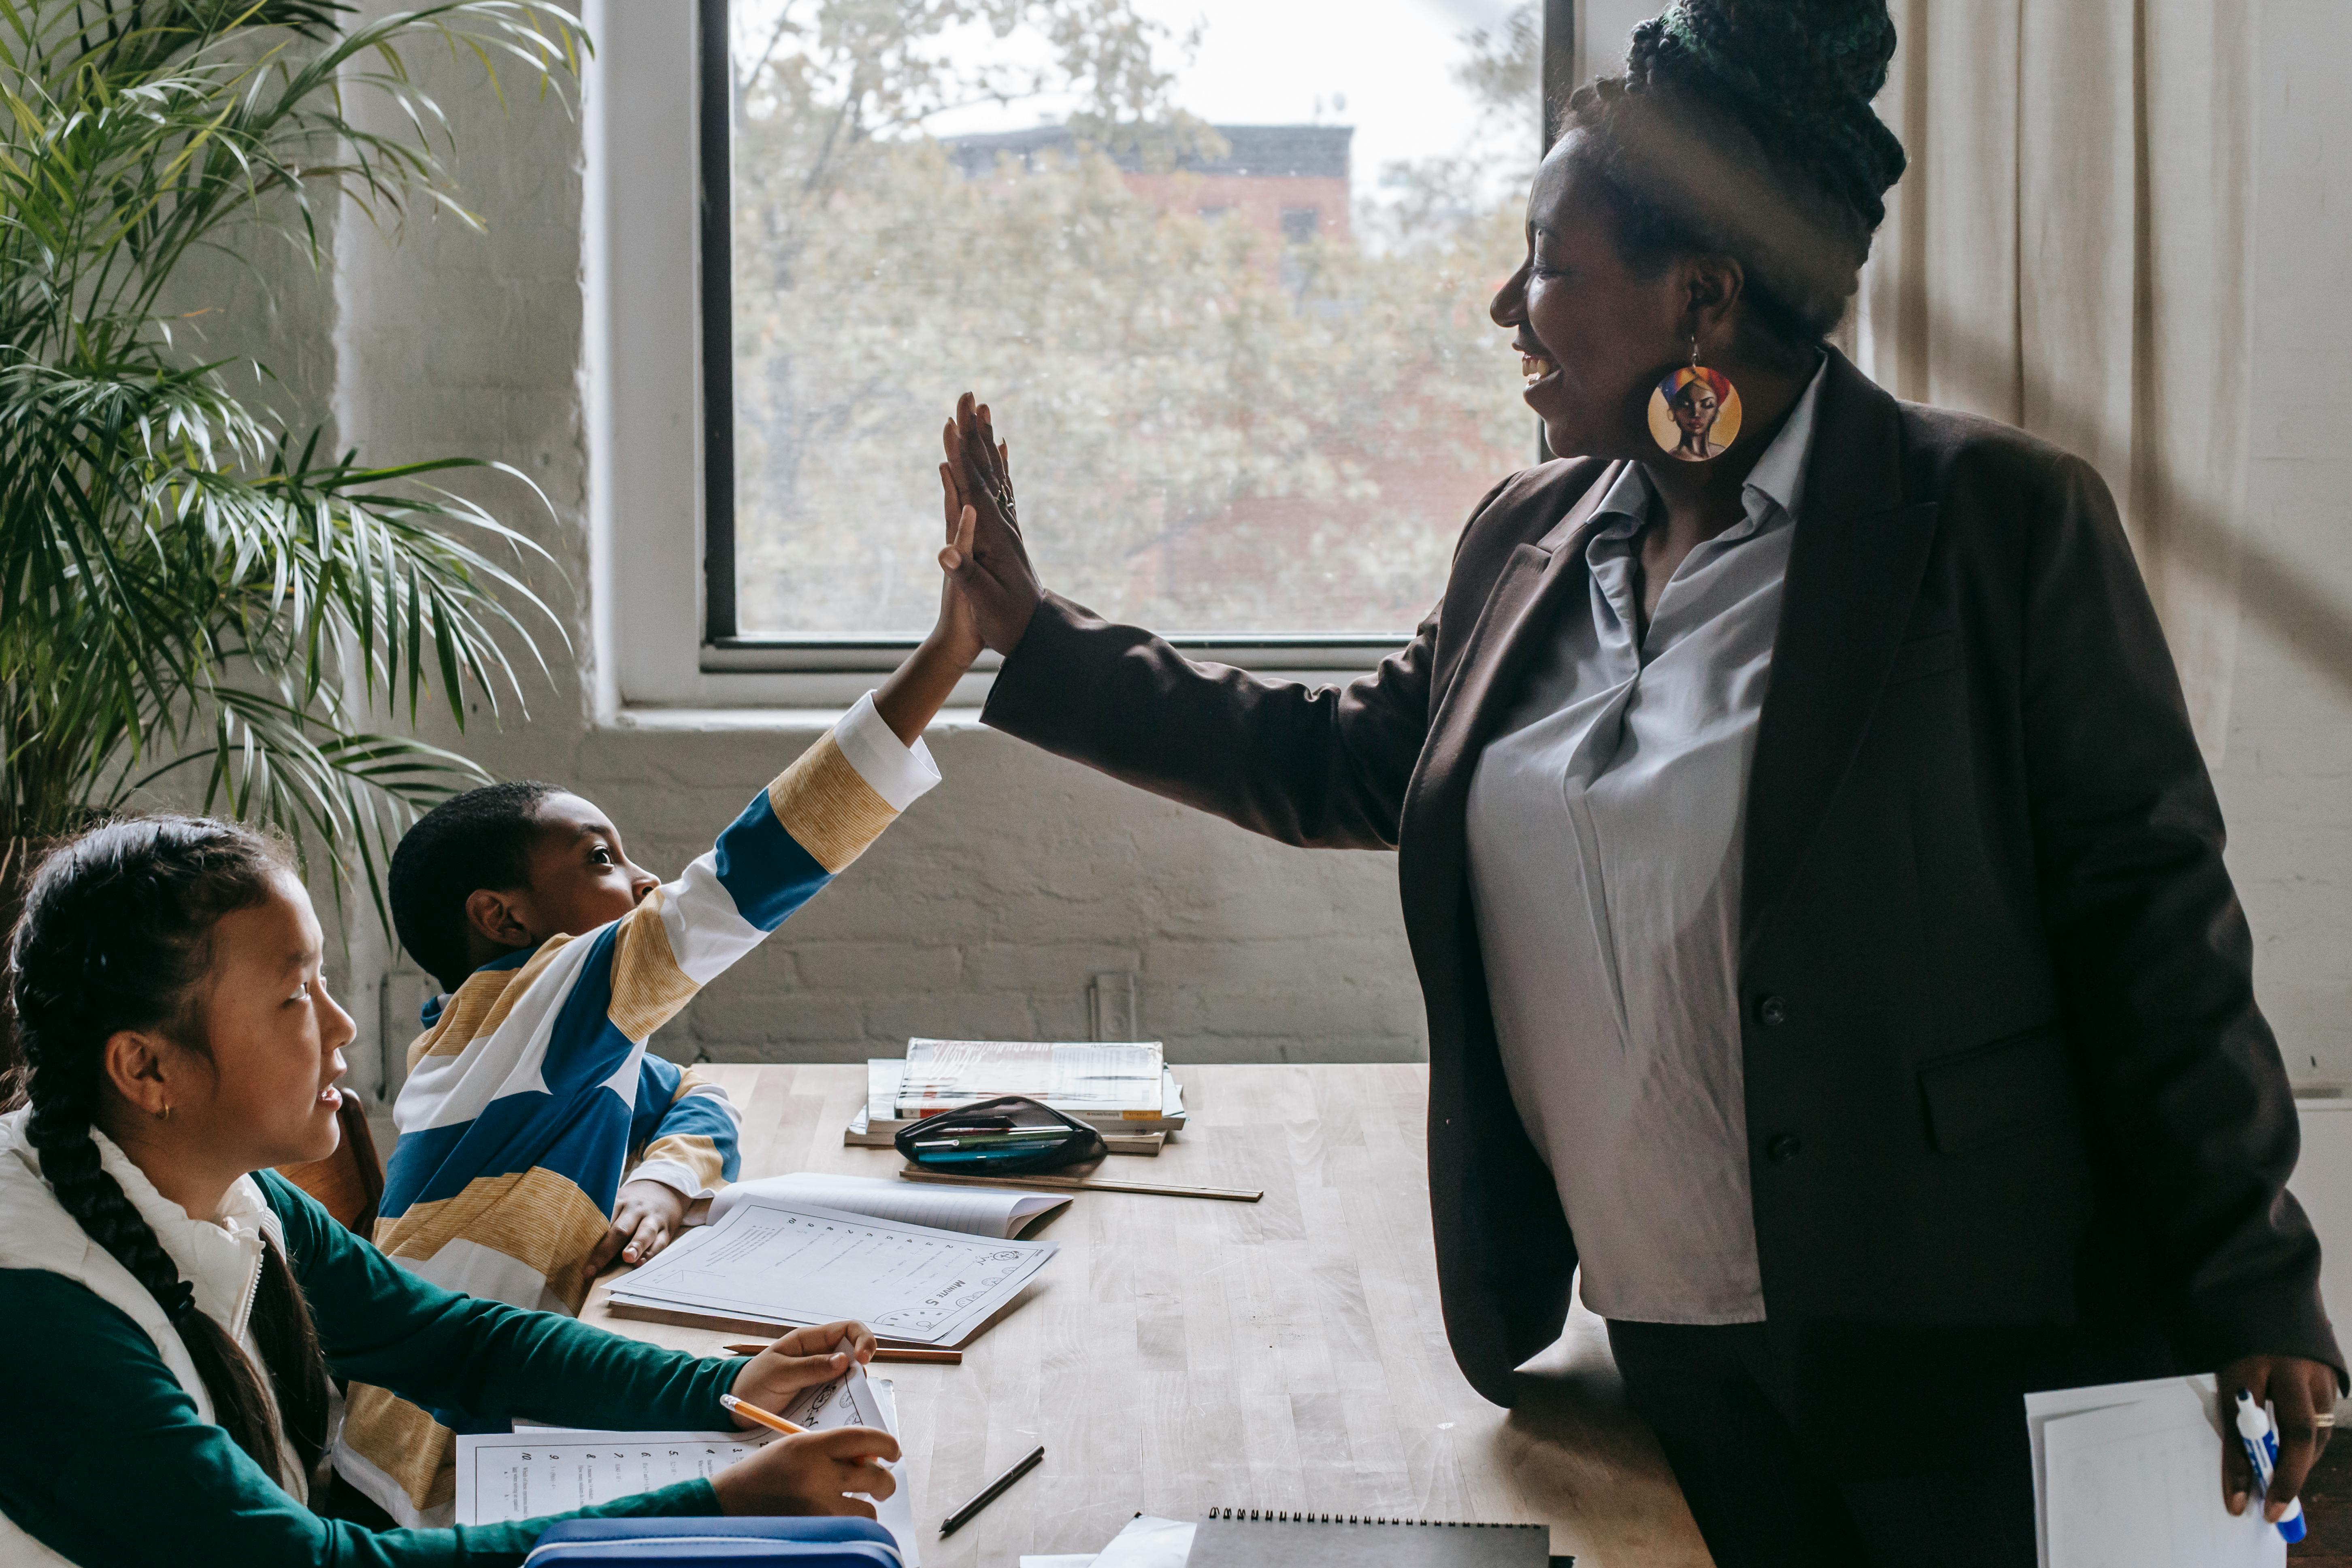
{"x": 221, "y": 1258}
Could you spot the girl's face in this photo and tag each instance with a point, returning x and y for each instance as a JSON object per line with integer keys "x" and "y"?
{"x": 274, "y": 1039}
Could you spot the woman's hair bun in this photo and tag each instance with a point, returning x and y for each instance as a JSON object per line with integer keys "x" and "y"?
{"x": 1800, "y": 74}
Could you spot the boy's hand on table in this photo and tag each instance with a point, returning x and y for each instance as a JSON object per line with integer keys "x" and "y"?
{"x": 647, "y": 1217}
{"x": 812, "y": 1473}
{"x": 801, "y": 1359}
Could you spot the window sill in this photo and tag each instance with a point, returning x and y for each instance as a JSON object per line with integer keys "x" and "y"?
{"x": 810, "y": 721}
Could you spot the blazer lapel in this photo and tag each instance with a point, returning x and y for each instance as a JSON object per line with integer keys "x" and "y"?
{"x": 1854, "y": 570}
{"x": 1519, "y": 610}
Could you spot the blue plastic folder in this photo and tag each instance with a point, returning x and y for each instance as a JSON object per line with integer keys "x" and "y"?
{"x": 715, "y": 1543}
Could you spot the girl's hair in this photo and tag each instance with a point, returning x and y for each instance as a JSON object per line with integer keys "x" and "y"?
{"x": 1744, "y": 127}
{"x": 116, "y": 934}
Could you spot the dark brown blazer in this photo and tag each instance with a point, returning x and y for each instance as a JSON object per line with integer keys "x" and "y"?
{"x": 2003, "y": 1061}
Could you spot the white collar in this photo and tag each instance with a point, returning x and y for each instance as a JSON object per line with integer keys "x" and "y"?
{"x": 1779, "y": 474}
{"x": 220, "y": 1256}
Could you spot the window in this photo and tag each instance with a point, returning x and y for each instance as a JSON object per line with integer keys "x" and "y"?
{"x": 1221, "y": 266}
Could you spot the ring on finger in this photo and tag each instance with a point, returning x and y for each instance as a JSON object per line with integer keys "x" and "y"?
{"x": 2327, "y": 1420}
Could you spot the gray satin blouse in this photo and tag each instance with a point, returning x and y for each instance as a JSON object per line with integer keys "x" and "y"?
{"x": 1605, "y": 827}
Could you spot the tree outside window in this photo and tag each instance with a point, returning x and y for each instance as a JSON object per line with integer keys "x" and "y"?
{"x": 1251, "y": 387}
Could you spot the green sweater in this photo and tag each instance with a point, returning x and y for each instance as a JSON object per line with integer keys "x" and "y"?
{"x": 104, "y": 1458}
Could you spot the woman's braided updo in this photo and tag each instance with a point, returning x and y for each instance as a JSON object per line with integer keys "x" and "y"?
{"x": 116, "y": 934}
{"x": 1746, "y": 127}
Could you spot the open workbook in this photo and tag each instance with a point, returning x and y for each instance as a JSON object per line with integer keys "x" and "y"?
{"x": 976, "y": 1211}
{"x": 774, "y": 1257}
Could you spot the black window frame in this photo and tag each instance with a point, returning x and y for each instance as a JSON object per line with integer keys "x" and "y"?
{"x": 721, "y": 634}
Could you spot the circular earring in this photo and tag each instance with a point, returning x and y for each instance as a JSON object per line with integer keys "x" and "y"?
{"x": 1694, "y": 412}
{"x": 164, "y": 1115}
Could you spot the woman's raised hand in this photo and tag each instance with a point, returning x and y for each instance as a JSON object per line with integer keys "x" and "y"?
{"x": 985, "y": 559}
{"x": 832, "y": 1471}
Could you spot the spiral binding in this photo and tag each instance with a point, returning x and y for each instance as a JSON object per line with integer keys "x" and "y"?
{"x": 1286, "y": 1516}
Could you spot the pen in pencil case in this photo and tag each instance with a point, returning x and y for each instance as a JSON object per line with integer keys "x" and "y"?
{"x": 2254, "y": 1430}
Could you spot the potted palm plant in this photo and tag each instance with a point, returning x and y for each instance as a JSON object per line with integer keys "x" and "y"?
{"x": 196, "y": 596}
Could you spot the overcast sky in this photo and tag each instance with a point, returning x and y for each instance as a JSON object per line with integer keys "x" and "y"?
{"x": 1269, "y": 62}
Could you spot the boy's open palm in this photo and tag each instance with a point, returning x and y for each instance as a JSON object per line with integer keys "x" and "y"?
{"x": 816, "y": 1472}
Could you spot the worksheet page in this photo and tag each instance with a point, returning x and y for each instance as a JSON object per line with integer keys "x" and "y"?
{"x": 787, "y": 1263}
{"x": 555, "y": 1469}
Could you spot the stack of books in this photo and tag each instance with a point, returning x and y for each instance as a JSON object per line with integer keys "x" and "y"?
{"x": 1122, "y": 1088}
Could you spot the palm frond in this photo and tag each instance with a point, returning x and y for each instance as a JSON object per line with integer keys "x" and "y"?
{"x": 192, "y": 591}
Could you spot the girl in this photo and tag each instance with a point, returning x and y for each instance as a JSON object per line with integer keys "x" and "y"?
{"x": 189, "y": 1307}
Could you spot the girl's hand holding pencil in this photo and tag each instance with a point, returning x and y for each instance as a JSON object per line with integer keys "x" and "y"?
{"x": 799, "y": 1360}
{"x": 833, "y": 1471}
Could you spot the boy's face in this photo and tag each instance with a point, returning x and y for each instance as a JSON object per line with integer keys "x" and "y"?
{"x": 581, "y": 878}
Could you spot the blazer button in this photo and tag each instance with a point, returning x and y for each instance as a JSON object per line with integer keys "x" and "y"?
{"x": 1773, "y": 1010}
{"x": 1783, "y": 1148}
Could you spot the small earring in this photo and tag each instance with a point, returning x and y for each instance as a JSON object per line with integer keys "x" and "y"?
{"x": 164, "y": 1115}
{"x": 1694, "y": 412}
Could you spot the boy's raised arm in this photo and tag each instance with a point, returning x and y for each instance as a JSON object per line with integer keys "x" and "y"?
{"x": 818, "y": 815}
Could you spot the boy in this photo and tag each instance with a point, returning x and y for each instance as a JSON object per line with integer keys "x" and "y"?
{"x": 532, "y": 1085}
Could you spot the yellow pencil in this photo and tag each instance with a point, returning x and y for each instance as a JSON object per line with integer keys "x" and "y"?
{"x": 734, "y": 1407}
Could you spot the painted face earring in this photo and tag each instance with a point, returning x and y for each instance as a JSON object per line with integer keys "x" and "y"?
{"x": 1694, "y": 412}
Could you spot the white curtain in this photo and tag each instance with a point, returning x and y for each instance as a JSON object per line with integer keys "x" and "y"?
{"x": 2071, "y": 251}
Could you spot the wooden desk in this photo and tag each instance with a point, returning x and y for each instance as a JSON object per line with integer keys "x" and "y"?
{"x": 1180, "y": 1354}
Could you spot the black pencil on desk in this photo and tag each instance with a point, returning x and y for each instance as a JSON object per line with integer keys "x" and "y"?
{"x": 991, "y": 1492}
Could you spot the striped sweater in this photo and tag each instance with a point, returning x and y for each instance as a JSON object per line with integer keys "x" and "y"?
{"x": 532, "y": 1083}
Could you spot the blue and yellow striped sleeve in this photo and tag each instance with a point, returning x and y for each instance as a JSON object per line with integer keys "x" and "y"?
{"x": 795, "y": 837}
{"x": 687, "y": 1127}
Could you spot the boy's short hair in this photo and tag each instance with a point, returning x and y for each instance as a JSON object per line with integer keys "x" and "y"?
{"x": 477, "y": 839}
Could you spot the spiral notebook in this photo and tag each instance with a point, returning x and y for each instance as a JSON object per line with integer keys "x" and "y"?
{"x": 1263, "y": 1538}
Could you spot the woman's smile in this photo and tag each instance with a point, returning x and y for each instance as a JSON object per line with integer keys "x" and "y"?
{"x": 1536, "y": 368}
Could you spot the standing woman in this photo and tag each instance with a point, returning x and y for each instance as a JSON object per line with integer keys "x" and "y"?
{"x": 1813, "y": 881}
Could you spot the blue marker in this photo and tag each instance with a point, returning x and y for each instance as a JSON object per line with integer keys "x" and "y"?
{"x": 2262, "y": 1447}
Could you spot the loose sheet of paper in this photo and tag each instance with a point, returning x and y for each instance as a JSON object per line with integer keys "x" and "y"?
{"x": 976, "y": 1211}
{"x": 555, "y": 1469}
{"x": 2129, "y": 1476}
{"x": 770, "y": 1261}
{"x": 856, "y": 1400}
{"x": 1146, "y": 1543}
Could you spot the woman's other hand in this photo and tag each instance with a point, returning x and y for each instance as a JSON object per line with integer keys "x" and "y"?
{"x": 801, "y": 1359}
{"x": 816, "y": 1472}
{"x": 2301, "y": 1391}
{"x": 986, "y": 559}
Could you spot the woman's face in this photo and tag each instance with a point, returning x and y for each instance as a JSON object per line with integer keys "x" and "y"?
{"x": 264, "y": 1093}
{"x": 1594, "y": 337}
